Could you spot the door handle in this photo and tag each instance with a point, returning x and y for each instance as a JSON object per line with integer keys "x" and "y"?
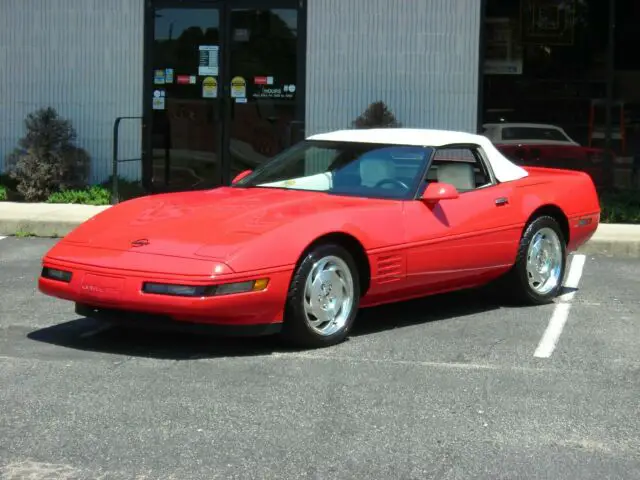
{"x": 501, "y": 201}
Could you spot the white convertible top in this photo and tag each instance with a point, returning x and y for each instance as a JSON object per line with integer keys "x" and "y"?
{"x": 503, "y": 168}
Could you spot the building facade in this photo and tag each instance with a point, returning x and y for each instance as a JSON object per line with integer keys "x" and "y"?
{"x": 217, "y": 86}
{"x": 208, "y": 88}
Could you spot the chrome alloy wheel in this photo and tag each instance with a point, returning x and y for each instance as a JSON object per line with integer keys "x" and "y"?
{"x": 544, "y": 261}
{"x": 328, "y": 295}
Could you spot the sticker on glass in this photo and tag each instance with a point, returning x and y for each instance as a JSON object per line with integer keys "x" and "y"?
{"x": 168, "y": 75}
{"x": 238, "y": 87}
{"x": 209, "y": 88}
{"x": 158, "y": 77}
{"x": 208, "y": 60}
{"x": 241, "y": 35}
{"x": 158, "y": 103}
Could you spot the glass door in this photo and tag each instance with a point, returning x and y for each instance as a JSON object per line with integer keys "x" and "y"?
{"x": 186, "y": 114}
{"x": 225, "y": 89}
{"x": 263, "y": 80}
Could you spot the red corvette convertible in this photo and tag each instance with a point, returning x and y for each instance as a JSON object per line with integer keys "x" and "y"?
{"x": 342, "y": 220}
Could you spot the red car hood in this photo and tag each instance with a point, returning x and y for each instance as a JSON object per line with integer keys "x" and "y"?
{"x": 213, "y": 223}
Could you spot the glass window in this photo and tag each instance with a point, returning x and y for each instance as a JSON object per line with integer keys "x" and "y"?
{"x": 534, "y": 133}
{"x": 344, "y": 168}
{"x": 545, "y": 81}
{"x": 461, "y": 167}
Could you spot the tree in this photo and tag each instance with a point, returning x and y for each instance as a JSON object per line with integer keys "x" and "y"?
{"x": 46, "y": 159}
{"x": 377, "y": 115}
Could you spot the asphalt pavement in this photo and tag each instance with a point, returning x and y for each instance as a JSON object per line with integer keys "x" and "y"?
{"x": 457, "y": 386}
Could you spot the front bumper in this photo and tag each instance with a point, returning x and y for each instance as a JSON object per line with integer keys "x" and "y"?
{"x": 117, "y": 295}
{"x": 165, "y": 323}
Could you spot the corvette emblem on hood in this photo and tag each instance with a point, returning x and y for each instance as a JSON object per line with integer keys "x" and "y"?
{"x": 140, "y": 242}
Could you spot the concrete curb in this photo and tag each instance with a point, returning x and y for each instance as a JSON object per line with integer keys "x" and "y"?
{"x": 621, "y": 249}
{"x": 57, "y": 220}
{"x": 614, "y": 240}
{"x": 44, "y": 219}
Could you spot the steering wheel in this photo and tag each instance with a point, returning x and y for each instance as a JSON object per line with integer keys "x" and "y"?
{"x": 392, "y": 181}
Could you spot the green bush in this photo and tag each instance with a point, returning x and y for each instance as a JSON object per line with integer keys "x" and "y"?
{"x": 127, "y": 189}
{"x": 96, "y": 195}
{"x": 3, "y": 194}
{"x": 7, "y": 182}
{"x": 620, "y": 207}
{"x": 46, "y": 159}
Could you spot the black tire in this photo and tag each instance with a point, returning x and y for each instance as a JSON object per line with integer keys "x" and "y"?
{"x": 516, "y": 281}
{"x": 296, "y": 330}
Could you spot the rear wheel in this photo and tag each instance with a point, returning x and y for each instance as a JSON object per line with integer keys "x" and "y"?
{"x": 323, "y": 298}
{"x": 538, "y": 273}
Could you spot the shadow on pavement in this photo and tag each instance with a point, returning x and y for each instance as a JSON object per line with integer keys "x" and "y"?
{"x": 425, "y": 310}
{"x": 90, "y": 335}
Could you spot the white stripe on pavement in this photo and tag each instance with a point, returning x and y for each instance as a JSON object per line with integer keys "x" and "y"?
{"x": 560, "y": 315}
{"x": 1, "y": 237}
{"x": 573, "y": 278}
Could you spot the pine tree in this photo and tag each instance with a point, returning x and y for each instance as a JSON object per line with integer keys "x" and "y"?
{"x": 377, "y": 115}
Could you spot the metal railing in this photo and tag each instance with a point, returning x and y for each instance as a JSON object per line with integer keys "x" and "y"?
{"x": 115, "y": 161}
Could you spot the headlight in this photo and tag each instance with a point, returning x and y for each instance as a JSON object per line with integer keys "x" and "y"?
{"x": 206, "y": 290}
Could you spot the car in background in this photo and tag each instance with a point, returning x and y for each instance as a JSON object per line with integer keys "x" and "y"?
{"x": 545, "y": 145}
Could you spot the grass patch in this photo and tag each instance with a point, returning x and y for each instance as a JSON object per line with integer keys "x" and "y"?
{"x": 95, "y": 195}
{"x": 98, "y": 194}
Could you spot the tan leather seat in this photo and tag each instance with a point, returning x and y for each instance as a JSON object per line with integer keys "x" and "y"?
{"x": 458, "y": 174}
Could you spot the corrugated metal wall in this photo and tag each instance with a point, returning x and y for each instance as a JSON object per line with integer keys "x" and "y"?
{"x": 82, "y": 57}
{"x": 418, "y": 56}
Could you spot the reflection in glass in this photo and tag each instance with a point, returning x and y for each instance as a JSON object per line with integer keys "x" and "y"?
{"x": 185, "y": 113}
{"x": 545, "y": 70}
{"x": 264, "y": 56}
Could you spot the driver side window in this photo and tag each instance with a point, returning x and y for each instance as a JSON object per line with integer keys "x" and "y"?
{"x": 462, "y": 167}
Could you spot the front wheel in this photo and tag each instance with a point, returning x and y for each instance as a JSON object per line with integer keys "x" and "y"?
{"x": 538, "y": 273}
{"x": 323, "y": 298}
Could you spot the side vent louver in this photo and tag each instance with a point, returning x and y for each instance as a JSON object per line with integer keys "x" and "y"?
{"x": 389, "y": 268}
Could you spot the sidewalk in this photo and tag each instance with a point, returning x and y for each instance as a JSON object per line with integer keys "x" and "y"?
{"x": 56, "y": 220}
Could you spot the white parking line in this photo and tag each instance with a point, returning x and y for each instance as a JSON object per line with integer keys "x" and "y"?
{"x": 1, "y": 237}
{"x": 560, "y": 315}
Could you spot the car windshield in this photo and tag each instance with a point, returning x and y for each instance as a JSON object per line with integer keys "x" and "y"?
{"x": 533, "y": 133}
{"x": 344, "y": 168}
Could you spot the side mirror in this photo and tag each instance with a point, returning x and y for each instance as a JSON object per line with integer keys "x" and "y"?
{"x": 240, "y": 176}
{"x": 439, "y": 191}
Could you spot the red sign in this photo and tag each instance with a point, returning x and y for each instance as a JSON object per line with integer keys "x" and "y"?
{"x": 182, "y": 79}
{"x": 260, "y": 80}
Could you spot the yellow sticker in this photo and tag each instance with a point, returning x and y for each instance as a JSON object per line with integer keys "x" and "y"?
{"x": 238, "y": 87}
{"x": 209, "y": 87}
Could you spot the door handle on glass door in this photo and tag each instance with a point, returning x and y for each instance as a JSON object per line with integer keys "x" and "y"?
{"x": 501, "y": 201}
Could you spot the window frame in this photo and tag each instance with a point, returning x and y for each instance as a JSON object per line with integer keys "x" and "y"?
{"x": 478, "y": 154}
